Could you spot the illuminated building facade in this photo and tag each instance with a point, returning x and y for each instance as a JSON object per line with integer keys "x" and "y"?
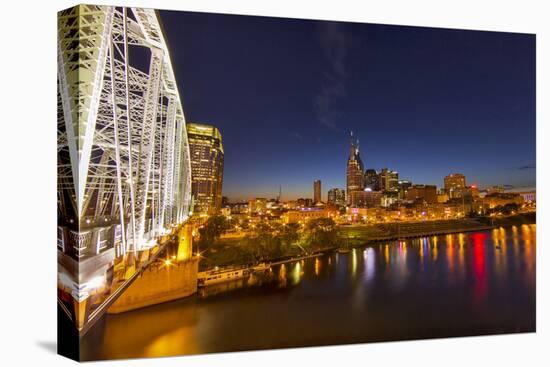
{"x": 306, "y": 214}
{"x": 426, "y": 193}
{"x": 336, "y": 197}
{"x": 316, "y": 191}
{"x": 257, "y": 206}
{"x": 403, "y": 186}
{"x": 365, "y": 199}
{"x": 454, "y": 185}
{"x": 372, "y": 180}
{"x": 354, "y": 174}
{"x": 304, "y": 203}
{"x": 205, "y": 143}
{"x": 389, "y": 180}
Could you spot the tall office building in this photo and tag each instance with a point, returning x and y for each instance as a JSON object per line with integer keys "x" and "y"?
{"x": 389, "y": 180}
{"x": 354, "y": 175}
{"x": 336, "y": 197}
{"x": 316, "y": 191}
{"x": 206, "y": 149}
{"x": 372, "y": 180}
{"x": 454, "y": 185}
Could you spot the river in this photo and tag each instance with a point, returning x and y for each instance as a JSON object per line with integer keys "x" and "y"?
{"x": 474, "y": 283}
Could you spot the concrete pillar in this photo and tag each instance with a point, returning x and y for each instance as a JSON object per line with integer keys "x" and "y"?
{"x": 185, "y": 242}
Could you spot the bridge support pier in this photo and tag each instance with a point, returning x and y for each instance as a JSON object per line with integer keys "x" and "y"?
{"x": 164, "y": 280}
{"x": 158, "y": 285}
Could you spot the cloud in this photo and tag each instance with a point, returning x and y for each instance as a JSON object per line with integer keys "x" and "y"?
{"x": 526, "y": 167}
{"x": 335, "y": 44}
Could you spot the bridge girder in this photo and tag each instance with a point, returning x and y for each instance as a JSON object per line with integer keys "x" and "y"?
{"x": 122, "y": 140}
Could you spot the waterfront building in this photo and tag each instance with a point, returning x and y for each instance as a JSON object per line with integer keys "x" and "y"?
{"x": 305, "y": 214}
{"x": 336, "y": 197}
{"x": 354, "y": 173}
{"x": 454, "y": 185}
{"x": 365, "y": 199}
{"x": 206, "y": 151}
{"x": 389, "y": 180}
{"x": 389, "y": 198}
{"x": 356, "y": 214}
{"x": 316, "y": 191}
{"x": 426, "y": 193}
{"x": 501, "y": 199}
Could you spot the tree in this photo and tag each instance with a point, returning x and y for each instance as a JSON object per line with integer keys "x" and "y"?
{"x": 263, "y": 243}
{"x": 211, "y": 231}
{"x": 509, "y": 208}
{"x": 320, "y": 233}
{"x": 290, "y": 234}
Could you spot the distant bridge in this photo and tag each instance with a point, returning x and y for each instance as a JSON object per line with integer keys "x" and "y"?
{"x": 124, "y": 174}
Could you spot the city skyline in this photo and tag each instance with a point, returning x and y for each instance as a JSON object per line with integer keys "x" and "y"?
{"x": 148, "y": 238}
{"x": 454, "y": 100}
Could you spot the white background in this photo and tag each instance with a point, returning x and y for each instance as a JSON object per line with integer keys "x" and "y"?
{"x": 28, "y": 179}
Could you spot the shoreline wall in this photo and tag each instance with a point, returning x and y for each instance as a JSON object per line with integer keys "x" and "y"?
{"x": 394, "y": 231}
{"x": 159, "y": 285}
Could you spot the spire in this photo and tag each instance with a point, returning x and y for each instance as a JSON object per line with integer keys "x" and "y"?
{"x": 352, "y": 147}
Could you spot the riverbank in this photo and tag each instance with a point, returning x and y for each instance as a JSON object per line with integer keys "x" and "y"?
{"x": 511, "y": 220}
{"x": 361, "y": 234}
{"x": 232, "y": 251}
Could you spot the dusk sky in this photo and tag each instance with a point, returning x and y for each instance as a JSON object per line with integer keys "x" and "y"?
{"x": 286, "y": 93}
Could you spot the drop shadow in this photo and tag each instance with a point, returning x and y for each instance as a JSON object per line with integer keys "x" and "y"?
{"x": 48, "y": 345}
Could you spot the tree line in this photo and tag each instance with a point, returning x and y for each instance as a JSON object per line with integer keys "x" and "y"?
{"x": 272, "y": 240}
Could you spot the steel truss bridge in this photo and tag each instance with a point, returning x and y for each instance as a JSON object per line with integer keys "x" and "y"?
{"x": 124, "y": 175}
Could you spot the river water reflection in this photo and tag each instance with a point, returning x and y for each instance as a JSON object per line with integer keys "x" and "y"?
{"x": 454, "y": 285}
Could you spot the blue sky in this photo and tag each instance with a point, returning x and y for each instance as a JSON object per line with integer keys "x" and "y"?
{"x": 285, "y": 94}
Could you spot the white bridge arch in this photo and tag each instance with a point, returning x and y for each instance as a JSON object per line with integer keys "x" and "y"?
{"x": 124, "y": 175}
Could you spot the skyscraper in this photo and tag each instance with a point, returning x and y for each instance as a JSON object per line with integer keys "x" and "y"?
{"x": 336, "y": 197}
{"x": 389, "y": 180}
{"x": 354, "y": 175}
{"x": 206, "y": 149}
{"x": 372, "y": 180}
{"x": 454, "y": 185}
{"x": 316, "y": 191}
